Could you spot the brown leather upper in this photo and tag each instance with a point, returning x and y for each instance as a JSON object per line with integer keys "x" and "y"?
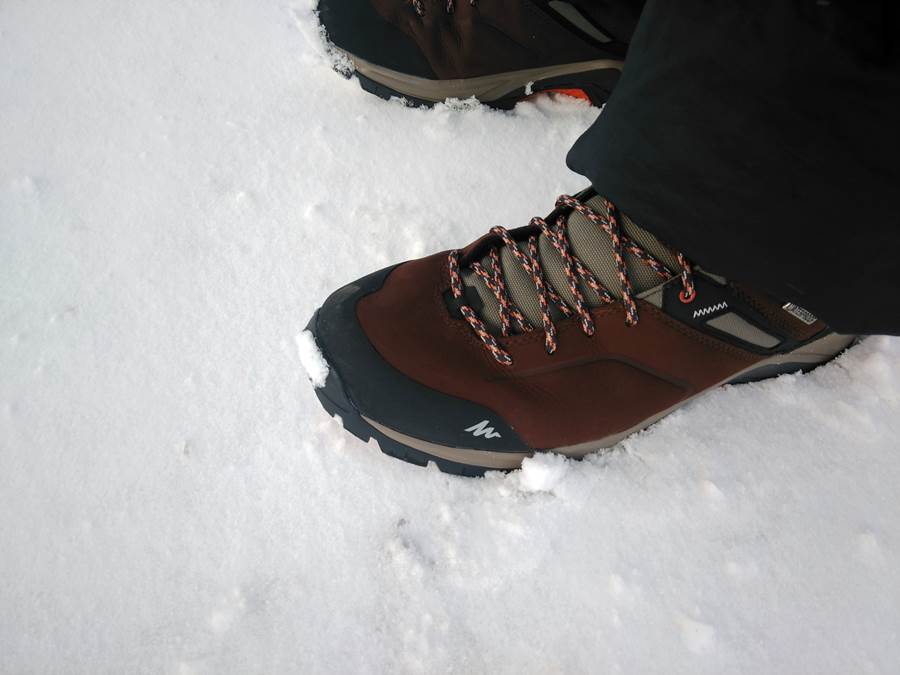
{"x": 590, "y": 388}
{"x": 494, "y": 37}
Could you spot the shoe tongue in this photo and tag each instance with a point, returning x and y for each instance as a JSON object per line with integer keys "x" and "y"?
{"x": 592, "y": 246}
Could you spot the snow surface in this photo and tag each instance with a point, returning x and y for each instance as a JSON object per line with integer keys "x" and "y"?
{"x": 181, "y": 183}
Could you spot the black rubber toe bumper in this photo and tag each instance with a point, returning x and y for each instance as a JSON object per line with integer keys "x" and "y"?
{"x": 362, "y": 387}
{"x": 355, "y": 27}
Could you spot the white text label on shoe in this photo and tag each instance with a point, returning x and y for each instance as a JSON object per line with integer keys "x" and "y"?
{"x": 482, "y": 429}
{"x": 798, "y": 312}
{"x": 712, "y": 309}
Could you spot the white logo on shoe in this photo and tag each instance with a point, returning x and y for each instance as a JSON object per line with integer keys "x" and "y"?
{"x": 706, "y": 311}
{"x": 482, "y": 429}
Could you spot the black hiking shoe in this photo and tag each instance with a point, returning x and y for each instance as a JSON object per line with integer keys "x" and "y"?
{"x": 498, "y": 51}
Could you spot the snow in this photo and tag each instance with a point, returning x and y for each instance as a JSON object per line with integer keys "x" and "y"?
{"x": 311, "y": 359}
{"x": 542, "y": 473}
{"x": 181, "y": 183}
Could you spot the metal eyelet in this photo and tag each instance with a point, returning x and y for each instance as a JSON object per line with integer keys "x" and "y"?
{"x": 687, "y": 299}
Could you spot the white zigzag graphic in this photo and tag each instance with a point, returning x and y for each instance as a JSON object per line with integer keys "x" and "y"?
{"x": 482, "y": 429}
{"x": 711, "y": 309}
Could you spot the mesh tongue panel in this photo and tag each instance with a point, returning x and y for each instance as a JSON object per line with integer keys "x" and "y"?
{"x": 593, "y": 246}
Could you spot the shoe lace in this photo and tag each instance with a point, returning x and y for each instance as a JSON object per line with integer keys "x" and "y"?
{"x": 575, "y": 270}
{"x": 449, "y": 6}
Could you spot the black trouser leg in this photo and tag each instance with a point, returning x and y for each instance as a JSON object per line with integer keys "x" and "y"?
{"x": 762, "y": 139}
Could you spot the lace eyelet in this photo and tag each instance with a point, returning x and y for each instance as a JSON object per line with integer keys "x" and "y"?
{"x": 687, "y": 299}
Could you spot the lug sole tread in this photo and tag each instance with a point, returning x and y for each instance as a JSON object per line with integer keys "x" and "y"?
{"x": 356, "y": 425}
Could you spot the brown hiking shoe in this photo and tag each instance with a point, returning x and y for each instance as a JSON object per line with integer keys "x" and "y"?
{"x": 564, "y": 336}
{"x": 495, "y": 50}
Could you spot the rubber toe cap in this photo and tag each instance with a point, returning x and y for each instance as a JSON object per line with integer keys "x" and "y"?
{"x": 357, "y": 28}
{"x": 362, "y": 379}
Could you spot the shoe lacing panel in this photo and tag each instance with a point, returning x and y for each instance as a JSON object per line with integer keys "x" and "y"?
{"x": 576, "y": 273}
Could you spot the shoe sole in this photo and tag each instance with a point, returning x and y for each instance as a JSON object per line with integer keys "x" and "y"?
{"x": 590, "y": 80}
{"x": 334, "y": 399}
{"x": 472, "y": 462}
